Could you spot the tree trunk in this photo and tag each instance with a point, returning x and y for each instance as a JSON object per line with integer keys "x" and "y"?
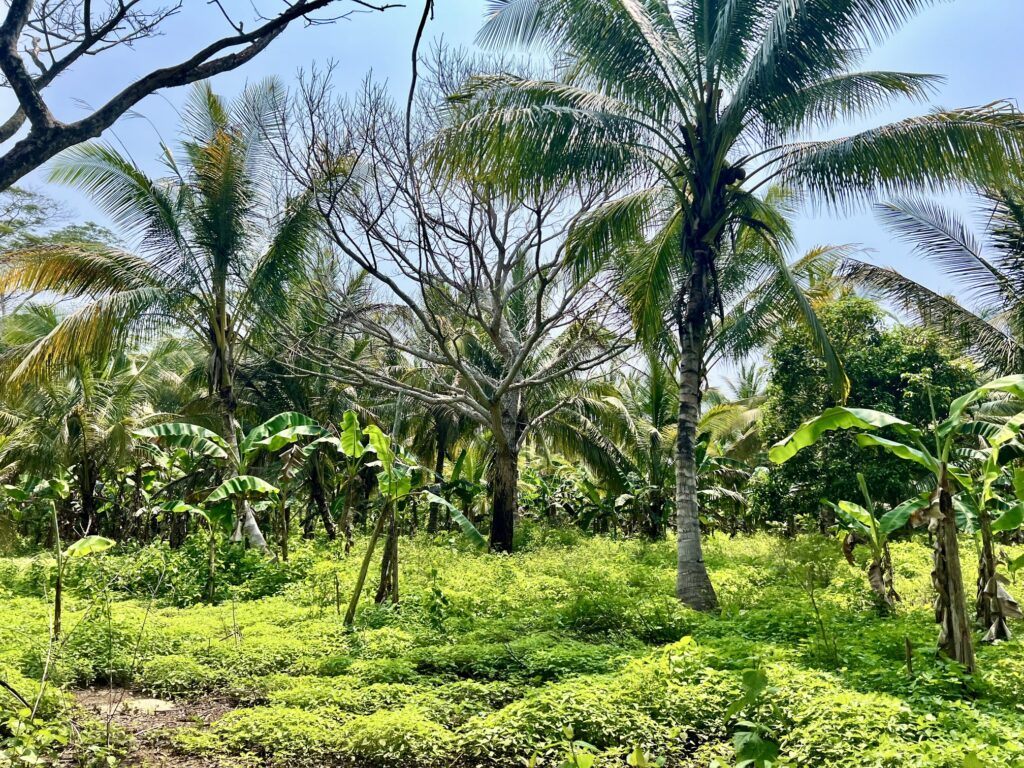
{"x": 350, "y": 614}
{"x": 995, "y": 605}
{"x": 211, "y": 565}
{"x": 653, "y": 528}
{"x": 693, "y": 586}
{"x": 947, "y": 578}
{"x": 316, "y": 491}
{"x": 504, "y": 497}
{"x": 439, "y": 478}
{"x": 87, "y": 495}
{"x": 221, "y": 335}
{"x": 283, "y": 519}
{"x": 309, "y": 521}
{"x": 58, "y": 589}
{"x": 245, "y": 522}
{"x": 388, "y": 586}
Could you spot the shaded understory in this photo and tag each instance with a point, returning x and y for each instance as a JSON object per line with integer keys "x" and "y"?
{"x": 489, "y": 658}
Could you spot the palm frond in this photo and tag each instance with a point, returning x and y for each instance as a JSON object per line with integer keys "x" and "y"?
{"x": 938, "y": 234}
{"x": 140, "y": 207}
{"x": 848, "y": 95}
{"x": 91, "y": 331}
{"x": 944, "y": 150}
{"x": 993, "y": 346}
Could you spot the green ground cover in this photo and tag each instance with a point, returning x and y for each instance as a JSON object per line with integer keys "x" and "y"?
{"x": 490, "y": 660}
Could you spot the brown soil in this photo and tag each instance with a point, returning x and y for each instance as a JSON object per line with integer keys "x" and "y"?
{"x": 149, "y": 722}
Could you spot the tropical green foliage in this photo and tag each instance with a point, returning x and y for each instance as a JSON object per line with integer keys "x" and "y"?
{"x": 585, "y": 636}
{"x": 898, "y": 370}
{"x": 256, "y": 443}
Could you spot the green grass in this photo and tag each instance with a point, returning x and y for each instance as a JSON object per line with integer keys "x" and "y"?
{"x": 489, "y": 658}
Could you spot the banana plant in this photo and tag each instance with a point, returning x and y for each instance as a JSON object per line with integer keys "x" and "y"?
{"x": 347, "y": 446}
{"x": 239, "y": 487}
{"x": 932, "y": 449}
{"x": 398, "y": 479}
{"x": 285, "y": 436}
{"x": 323, "y": 456}
{"x": 865, "y": 526}
{"x": 995, "y": 606}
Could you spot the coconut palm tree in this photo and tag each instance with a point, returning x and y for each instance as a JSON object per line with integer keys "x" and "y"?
{"x": 695, "y": 106}
{"x": 83, "y": 419}
{"x": 213, "y": 254}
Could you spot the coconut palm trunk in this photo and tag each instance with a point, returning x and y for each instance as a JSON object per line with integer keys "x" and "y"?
{"x": 246, "y": 526}
{"x": 693, "y": 586}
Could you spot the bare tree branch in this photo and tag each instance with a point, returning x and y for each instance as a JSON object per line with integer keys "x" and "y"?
{"x": 55, "y": 34}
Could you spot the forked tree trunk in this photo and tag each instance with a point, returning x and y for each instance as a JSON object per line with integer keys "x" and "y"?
{"x": 693, "y": 586}
{"x": 504, "y": 499}
{"x": 947, "y": 578}
{"x": 364, "y": 568}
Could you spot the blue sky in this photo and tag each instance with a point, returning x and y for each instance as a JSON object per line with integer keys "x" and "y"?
{"x": 975, "y": 44}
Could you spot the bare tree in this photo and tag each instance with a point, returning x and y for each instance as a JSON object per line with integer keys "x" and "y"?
{"x": 476, "y": 302}
{"x": 41, "y": 40}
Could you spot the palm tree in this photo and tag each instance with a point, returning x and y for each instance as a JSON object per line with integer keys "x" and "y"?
{"x": 84, "y": 419}
{"x": 213, "y": 257}
{"x": 695, "y": 106}
{"x": 987, "y": 266}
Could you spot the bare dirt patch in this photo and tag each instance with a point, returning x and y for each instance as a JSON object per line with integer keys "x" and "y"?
{"x": 149, "y": 722}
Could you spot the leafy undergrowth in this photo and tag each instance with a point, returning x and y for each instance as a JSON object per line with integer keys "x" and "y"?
{"x": 490, "y": 659}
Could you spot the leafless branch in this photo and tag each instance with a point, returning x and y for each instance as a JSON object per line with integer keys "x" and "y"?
{"x": 50, "y": 36}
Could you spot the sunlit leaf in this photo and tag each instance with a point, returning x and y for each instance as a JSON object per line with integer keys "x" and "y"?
{"x": 810, "y": 432}
{"x": 89, "y": 545}
{"x": 240, "y": 486}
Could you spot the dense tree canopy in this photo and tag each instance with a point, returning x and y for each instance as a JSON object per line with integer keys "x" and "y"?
{"x": 892, "y": 368}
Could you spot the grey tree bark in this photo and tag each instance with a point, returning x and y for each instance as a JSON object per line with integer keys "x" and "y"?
{"x": 693, "y": 585}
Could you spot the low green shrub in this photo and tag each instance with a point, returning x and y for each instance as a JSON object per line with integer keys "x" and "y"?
{"x": 272, "y": 735}
{"x": 178, "y": 676}
{"x": 383, "y": 670}
{"x": 538, "y": 657}
{"x": 396, "y": 738}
